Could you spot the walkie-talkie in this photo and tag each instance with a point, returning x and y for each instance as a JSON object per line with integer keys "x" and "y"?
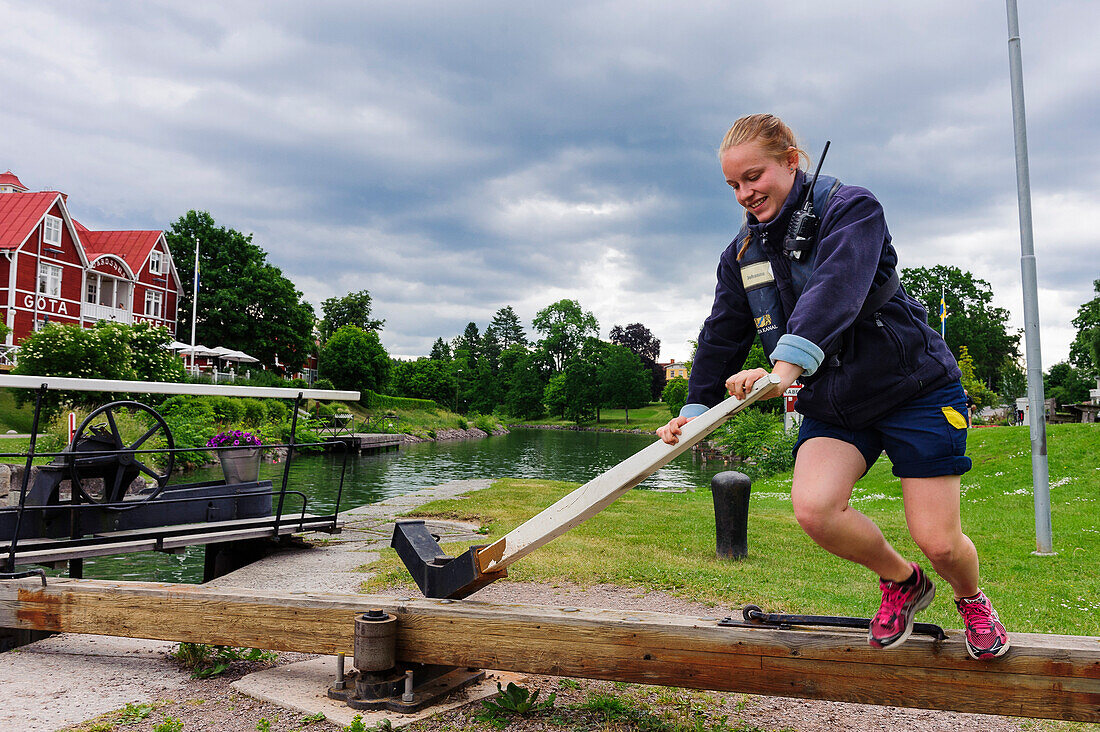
{"x": 804, "y": 222}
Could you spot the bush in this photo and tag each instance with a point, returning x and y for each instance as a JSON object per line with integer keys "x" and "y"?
{"x": 191, "y": 429}
{"x": 184, "y": 404}
{"x": 373, "y": 400}
{"x": 226, "y": 410}
{"x": 252, "y": 412}
{"x": 260, "y": 377}
{"x": 277, "y": 410}
{"x": 305, "y": 433}
{"x": 675, "y": 395}
{"x": 485, "y": 423}
{"x": 323, "y": 384}
{"x": 748, "y": 432}
{"x": 759, "y": 436}
{"x": 776, "y": 455}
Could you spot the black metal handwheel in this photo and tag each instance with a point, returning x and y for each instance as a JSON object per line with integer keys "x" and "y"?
{"x": 99, "y": 451}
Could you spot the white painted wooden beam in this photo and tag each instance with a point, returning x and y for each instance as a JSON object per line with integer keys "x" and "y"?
{"x": 165, "y": 387}
{"x": 598, "y": 493}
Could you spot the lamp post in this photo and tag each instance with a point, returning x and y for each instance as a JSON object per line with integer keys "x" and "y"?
{"x": 1040, "y": 475}
{"x": 458, "y": 372}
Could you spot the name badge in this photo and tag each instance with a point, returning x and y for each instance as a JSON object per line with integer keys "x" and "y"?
{"x": 757, "y": 275}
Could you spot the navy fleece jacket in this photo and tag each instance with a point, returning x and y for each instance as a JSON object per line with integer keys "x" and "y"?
{"x": 872, "y": 365}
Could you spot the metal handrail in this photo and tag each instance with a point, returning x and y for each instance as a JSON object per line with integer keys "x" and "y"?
{"x": 153, "y": 387}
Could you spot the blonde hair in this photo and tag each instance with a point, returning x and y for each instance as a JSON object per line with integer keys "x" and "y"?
{"x": 772, "y": 134}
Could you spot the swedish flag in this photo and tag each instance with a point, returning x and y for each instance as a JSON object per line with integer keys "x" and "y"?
{"x": 943, "y": 314}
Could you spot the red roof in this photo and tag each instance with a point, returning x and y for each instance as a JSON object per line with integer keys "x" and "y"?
{"x": 10, "y": 179}
{"x": 20, "y": 213}
{"x": 133, "y": 246}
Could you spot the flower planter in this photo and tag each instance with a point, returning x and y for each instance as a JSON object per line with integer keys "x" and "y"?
{"x": 240, "y": 465}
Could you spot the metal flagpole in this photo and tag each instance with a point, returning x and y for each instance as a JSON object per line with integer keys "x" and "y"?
{"x": 943, "y": 312}
{"x": 1044, "y": 542}
{"x": 194, "y": 302}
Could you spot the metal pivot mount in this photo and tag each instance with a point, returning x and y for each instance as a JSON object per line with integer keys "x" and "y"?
{"x": 438, "y": 575}
{"x": 379, "y": 682}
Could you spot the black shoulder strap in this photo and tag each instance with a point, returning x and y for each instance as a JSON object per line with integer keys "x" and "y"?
{"x": 878, "y": 296}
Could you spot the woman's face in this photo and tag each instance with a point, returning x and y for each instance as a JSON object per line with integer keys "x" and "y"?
{"x": 760, "y": 182}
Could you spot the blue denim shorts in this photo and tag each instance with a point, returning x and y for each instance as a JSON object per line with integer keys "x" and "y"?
{"x": 924, "y": 438}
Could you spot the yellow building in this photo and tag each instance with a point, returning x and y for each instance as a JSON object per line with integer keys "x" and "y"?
{"x": 675, "y": 370}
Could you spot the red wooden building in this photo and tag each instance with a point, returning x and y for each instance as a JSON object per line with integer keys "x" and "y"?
{"x": 55, "y": 270}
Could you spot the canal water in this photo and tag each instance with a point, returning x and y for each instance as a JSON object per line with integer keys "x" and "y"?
{"x": 545, "y": 454}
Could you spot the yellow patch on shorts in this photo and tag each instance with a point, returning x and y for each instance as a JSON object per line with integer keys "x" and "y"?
{"x": 954, "y": 418}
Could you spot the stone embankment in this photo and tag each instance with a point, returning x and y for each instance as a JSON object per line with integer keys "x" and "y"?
{"x": 443, "y": 435}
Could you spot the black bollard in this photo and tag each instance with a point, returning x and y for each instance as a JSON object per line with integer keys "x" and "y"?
{"x": 731, "y": 513}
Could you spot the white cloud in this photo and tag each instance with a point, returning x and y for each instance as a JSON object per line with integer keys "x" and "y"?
{"x": 454, "y": 159}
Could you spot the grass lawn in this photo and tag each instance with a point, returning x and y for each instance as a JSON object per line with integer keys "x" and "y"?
{"x": 421, "y": 422}
{"x": 649, "y": 418}
{"x": 665, "y": 541}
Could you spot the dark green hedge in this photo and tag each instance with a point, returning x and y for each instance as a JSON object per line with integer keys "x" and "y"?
{"x": 373, "y": 400}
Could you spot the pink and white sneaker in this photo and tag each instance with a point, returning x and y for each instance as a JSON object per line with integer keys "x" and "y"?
{"x": 893, "y": 623}
{"x": 986, "y": 637}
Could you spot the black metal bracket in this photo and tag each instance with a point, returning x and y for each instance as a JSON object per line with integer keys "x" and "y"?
{"x": 40, "y": 573}
{"x": 436, "y": 573}
{"x": 753, "y": 615}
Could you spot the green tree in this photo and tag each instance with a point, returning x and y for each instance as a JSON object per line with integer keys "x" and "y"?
{"x": 508, "y": 328}
{"x": 982, "y": 396}
{"x": 1013, "y": 383}
{"x": 424, "y": 378}
{"x": 244, "y": 302}
{"x": 107, "y": 351}
{"x": 554, "y": 395}
{"x": 624, "y": 379}
{"x": 564, "y": 326}
{"x": 470, "y": 344}
{"x": 353, "y": 308}
{"x": 675, "y": 395}
{"x": 641, "y": 341}
{"x": 1065, "y": 384}
{"x": 972, "y": 319}
{"x": 491, "y": 348}
{"x": 1084, "y": 351}
{"x": 582, "y": 389}
{"x": 355, "y": 359}
{"x": 441, "y": 351}
{"x": 525, "y": 386}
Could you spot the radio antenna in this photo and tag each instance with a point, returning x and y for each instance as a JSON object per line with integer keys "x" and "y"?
{"x": 810, "y": 194}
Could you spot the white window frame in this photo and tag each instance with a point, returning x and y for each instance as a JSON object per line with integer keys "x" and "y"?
{"x": 155, "y": 262}
{"x": 154, "y": 299}
{"x": 51, "y": 231}
{"x": 49, "y": 280}
{"x": 91, "y": 292}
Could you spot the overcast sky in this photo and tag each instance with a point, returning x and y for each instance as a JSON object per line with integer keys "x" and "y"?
{"x": 456, "y": 157}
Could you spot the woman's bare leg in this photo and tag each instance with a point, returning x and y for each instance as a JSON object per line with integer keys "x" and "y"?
{"x": 825, "y": 471}
{"x": 932, "y": 513}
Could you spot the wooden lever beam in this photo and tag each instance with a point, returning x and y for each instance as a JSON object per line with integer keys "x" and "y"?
{"x": 1047, "y": 676}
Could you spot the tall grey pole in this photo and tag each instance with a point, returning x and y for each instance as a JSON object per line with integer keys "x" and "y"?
{"x": 194, "y": 303}
{"x": 1044, "y": 542}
